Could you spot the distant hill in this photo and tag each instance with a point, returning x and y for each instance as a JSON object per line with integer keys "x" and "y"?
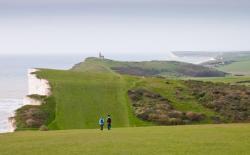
{"x": 233, "y": 62}
{"x": 236, "y": 63}
{"x": 152, "y": 68}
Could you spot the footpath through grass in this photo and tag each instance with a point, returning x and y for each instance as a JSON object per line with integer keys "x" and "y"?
{"x": 193, "y": 139}
{"x": 83, "y": 97}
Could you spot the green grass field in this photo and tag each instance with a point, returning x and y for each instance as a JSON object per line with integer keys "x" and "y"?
{"x": 92, "y": 90}
{"x": 83, "y": 97}
{"x": 228, "y": 139}
{"x": 245, "y": 80}
{"x": 239, "y": 67}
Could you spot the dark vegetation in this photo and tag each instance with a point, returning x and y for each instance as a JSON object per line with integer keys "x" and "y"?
{"x": 136, "y": 71}
{"x": 36, "y": 116}
{"x": 153, "y": 68}
{"x": 168, "y": 69}
{"x": 40, "y": 98}
{"x": 231, "y": 101}
{"x": 153, "y": 107}
{"x": 245, "y": 81}
{"x": 196, "y": 71}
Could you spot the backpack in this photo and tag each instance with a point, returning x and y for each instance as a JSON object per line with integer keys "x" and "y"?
{"x": 109, "y": 121}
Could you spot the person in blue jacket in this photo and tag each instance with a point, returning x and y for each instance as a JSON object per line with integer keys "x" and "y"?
{"x": 101, "y": 122}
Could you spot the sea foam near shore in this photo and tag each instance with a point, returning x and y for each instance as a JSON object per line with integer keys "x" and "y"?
{"x": 7, "y": 109}
{"x": 8, "y": 106}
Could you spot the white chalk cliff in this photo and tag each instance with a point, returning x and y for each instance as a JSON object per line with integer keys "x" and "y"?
{"x": 36, "y": 86}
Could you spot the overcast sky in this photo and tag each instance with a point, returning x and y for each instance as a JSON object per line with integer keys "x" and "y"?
{"x": 129, "y": 27}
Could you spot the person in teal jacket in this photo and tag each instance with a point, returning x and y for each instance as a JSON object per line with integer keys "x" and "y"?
{"x": 101, "y": 122}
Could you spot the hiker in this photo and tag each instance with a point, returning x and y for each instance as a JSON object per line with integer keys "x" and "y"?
{"x": 109, "y": 122}
{"x": 101, "y": 122}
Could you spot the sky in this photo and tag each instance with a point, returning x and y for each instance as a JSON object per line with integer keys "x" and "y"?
{"x": 123, "y": 27}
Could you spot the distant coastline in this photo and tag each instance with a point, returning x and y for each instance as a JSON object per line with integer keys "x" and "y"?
{"x": 14, "y": 80}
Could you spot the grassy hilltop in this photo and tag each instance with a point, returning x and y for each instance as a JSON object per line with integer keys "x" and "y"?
{"x": 82, "y": 97}
{"x": 150, "y": 68}
{"x": 98, "y": 87}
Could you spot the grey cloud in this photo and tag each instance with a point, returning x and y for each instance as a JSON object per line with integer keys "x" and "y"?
{"x": 154, "y": 8}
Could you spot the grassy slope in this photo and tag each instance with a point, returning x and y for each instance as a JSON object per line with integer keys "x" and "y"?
{"x": 82, "y": 97}
{"x": 229, "y": 79}
{"x": 92, "y": 90}
{"x": 182, "y": 101}
{"x": 193, "y": 139}
{"x": 239, "y": 67}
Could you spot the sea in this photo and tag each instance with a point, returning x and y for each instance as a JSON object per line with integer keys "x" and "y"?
{"x": 13, "y": 77}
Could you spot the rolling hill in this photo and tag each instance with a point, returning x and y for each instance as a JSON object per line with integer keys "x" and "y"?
{"x": 236, "y": 63}
{"x": 94, "y": 88}
{"x": 152, "y": 68}
{"x": 238, "y": 66}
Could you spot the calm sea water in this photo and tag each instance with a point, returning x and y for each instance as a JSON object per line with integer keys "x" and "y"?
{"x": 13, "y": 77}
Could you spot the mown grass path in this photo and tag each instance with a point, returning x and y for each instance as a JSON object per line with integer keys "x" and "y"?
{"x": 83, "y": 97}
{"x": 193, "y": 139}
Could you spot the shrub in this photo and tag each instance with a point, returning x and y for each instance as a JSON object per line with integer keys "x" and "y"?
{"x": 43, "y": 128}
{"x": 32, "y": 123}
{"x": 154, "y": 107}
{"x": 216, "y": 119}
{"x": 230, "y": 101}
{"x": 175, "y": 114}
{"x": 194, "y": 116}
{"x": 153, "y": 116}
{"x": 175, "y": 121}
{"x": 33, "y": 116}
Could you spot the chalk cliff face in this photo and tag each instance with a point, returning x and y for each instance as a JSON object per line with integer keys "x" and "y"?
{"x": 36, "y": 86}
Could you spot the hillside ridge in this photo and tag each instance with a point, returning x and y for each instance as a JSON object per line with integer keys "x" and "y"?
{"x": 151, "y": 68}
{"x": 94, "y": 89}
